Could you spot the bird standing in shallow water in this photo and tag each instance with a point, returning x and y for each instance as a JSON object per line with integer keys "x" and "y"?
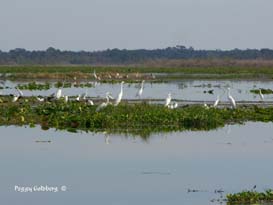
{"x": 104, "y": 104}
{"x": 90, "y": 102}
{"x": 40, "y": 99}
{"x": 216, "y": 101}
{"x": 173, "y": 105}
{"x": 59, "y": 94}
{"x": 65, "y": 98}
{"x": 206, "y": 106}
{"x": 231, "y": 100}
{"x": 84, "y": 95}
{"x": 15, "y": 98}
{"x": 261, "y": 95}
{"x": 120, "y": 94}
{"x": 20, "y": 92}
{"x": 78, "y": 98}
{"x": 140, "y": 91}
{"x": 168, "y": 100}
{"x": 95, "y": 75}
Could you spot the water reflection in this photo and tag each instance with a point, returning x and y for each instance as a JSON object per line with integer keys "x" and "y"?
{"x": 134, "y": 171}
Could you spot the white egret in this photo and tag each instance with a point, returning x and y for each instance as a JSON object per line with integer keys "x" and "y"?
{"x": 206, "y": 106}
{"x": 120, "y": 94}
{"x": 85, "y": 95}
{"x": 95, "y": 75}
{"x": 65, "y": 98}
{"x": 19, "y": 91}
{"x": 40, "y": 99}
{"x": 78, "y": 98}
{"x": 15, "y": 98}
{"x": 90, "y": 102}
{"x": 58, "y": 94}
{"x": 173, "y": 105}
{"x": 104, "y": 104}
{"x": 261, "y": 95}
{"x": 231, "y": 99}
{"x": 140, "y": 91}
{"x": 168, "y": 100}
{"x": 216, "y": 101}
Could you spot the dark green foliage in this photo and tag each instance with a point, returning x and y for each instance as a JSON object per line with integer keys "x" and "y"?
{"x": 250, "y": 197}
{"x": 141, "y": 118}
{"x": 34, "y": 86}
{"x": 62, "y": 84}
{"x": 53, "y": 56}
{"x": 264, "y": 91}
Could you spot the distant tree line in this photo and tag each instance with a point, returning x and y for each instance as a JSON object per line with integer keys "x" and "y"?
{"x": 53, "y": 56}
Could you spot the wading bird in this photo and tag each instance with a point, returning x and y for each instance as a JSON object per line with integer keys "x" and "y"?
{"x": 216, "y": 101}
{"x": 231, "y": 99}
{"x": 84, "y": 95}
{"x": 78, "y": 98}
{"x": 58, "y": 94}
{"x": 95, "y": 75}
{"x": 40, "y": 99}
{"x": 20, "y": 92}
{"x": 168, "y": 100}
{"x": 65, "y": 98}
{"x": 90, "y": 102}
{"x": 206, "y": 106}
{"x": 173, "y": 105}
{"x": 104, "y": 104}
{"x": 140, "y": 91}
{"x": 120, "y": 94}
{"x": 261, "y": 95}
{"x": 15, "y": 98}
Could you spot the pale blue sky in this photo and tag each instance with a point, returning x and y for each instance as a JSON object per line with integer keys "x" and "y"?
{"x": 101, "y": 24}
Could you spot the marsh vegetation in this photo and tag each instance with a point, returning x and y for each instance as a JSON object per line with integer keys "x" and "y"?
{"x": 142, "y": 119}
{"x": 250, "y": 197}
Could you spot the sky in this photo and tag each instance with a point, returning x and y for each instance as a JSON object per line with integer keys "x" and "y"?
{"x": 132, "y": 24}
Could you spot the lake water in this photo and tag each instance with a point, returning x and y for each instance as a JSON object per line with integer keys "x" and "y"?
{"x": 182, "y": 90}
{"x": 122, "y": 170}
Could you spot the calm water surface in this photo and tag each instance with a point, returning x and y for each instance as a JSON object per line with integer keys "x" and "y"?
{"x": 122, "y": 170}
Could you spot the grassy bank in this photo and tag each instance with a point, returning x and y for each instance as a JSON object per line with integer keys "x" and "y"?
{"x": 131, "y": 72}
{"x": 141, "y": 119}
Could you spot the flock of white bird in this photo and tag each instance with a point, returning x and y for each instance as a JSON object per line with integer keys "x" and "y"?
{"x": 168, "y": 102}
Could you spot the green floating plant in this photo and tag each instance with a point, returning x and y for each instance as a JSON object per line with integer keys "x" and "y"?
{"x": 264, "y": 91}
{"x": 141, "y": 119}
{"x": 250, "y": 197}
